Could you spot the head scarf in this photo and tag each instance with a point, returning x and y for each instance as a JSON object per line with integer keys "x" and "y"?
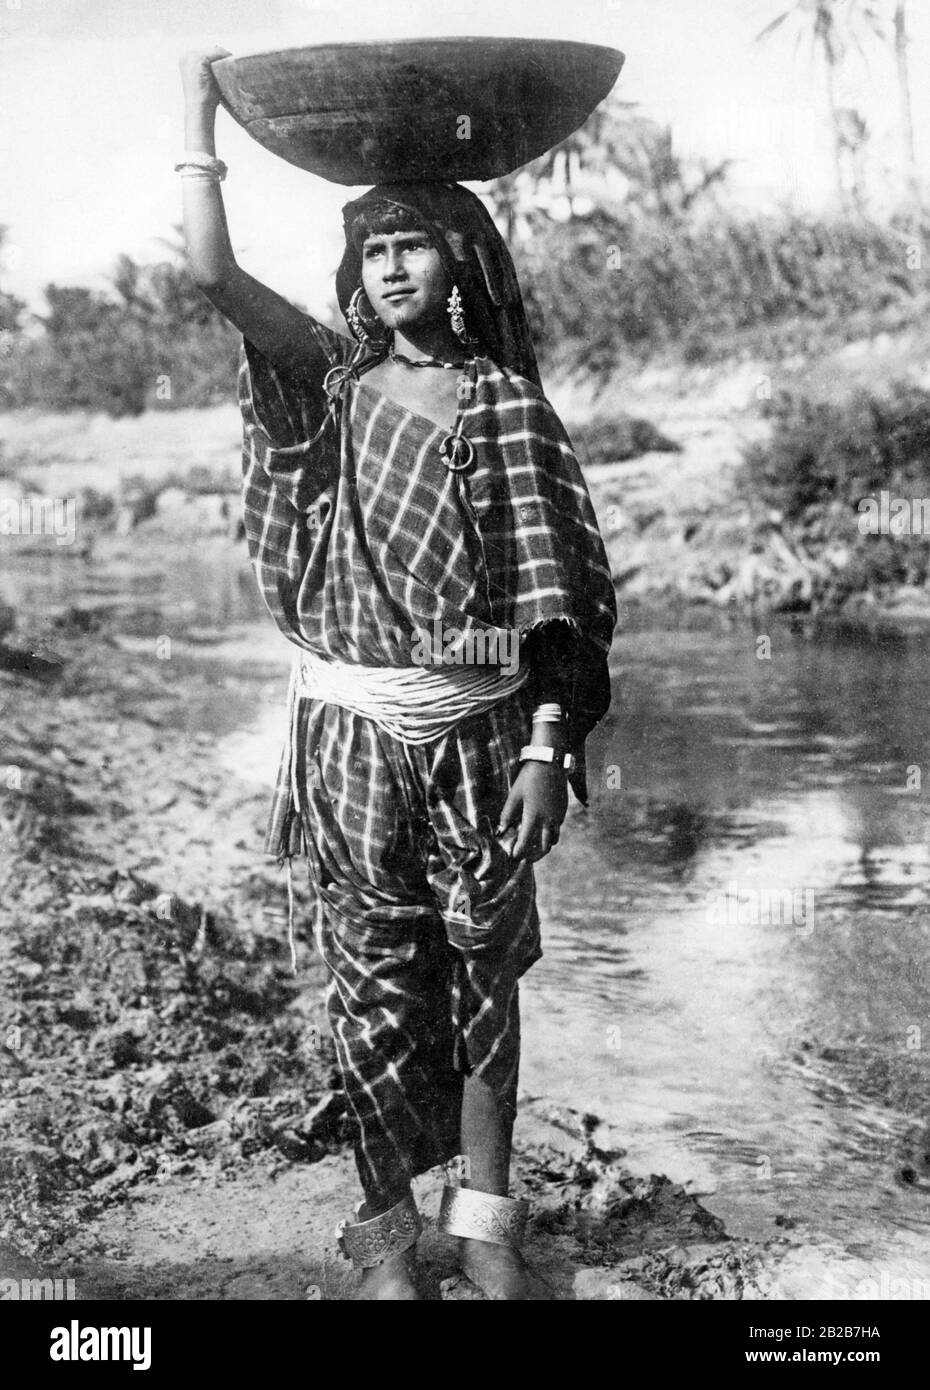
{"x": 475, "y": 257}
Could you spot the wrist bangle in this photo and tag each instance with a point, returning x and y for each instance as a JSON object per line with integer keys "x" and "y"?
{"x": 548, "y": 714}
{"x": 541, "y": 753}
{"x": 204, "y": 164}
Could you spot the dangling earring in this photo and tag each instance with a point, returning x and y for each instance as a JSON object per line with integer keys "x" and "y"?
{"x": 362, "y": 327}
{"x": 457, "y": 315}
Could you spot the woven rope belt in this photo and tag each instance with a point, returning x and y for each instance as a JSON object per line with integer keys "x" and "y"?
{"x": 416, "y": 704}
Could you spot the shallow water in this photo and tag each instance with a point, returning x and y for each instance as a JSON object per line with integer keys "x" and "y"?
{"x": 736, "y": 932}
{"x": 770, "y": 1049}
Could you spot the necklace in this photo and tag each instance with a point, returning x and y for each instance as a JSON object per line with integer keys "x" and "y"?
{"x": 427, "y": 361}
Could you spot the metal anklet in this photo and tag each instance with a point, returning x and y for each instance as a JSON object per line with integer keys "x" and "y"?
{"x": 483, "y": 1216}
{"x": 368, "y": 1243}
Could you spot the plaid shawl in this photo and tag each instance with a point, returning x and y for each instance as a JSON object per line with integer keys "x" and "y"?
{"x": 359, "y": 533}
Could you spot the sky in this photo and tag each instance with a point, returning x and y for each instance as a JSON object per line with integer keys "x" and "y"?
{"x": 93, "y": 116}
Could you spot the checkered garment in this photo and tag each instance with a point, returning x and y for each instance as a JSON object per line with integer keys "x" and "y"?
{"x": 359, "y": 533}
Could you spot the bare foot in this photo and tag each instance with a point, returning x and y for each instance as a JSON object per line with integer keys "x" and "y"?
{"x": 392, "y": 1279}
{"x": 498, "y": 1270}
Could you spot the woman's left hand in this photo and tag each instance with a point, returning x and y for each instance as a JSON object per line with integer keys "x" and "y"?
{"x": 534, "y": 811}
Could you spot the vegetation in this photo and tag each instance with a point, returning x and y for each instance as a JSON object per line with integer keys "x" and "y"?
{"x": 806, "y": 484}
{"x": 151, "y": 340}
{"x": 601, "y": 290}
{"x": 625, "y": 249}
{"x": 822, "y": 452}
{"x": 605, "y": 290}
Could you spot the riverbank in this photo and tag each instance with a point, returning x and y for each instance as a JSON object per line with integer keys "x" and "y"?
{"x": 664, "y": 450}
{"x": 759, "y": 511}
{"x": 170, "y": 1123}
{"x": 156, "y": 1050}
{"x": 179, "y": 471}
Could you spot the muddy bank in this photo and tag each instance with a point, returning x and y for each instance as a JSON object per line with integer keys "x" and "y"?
{"x": 598, "y": 1233}
{"x": 171, "y": 1122}
{"x": 150, "y": 1022}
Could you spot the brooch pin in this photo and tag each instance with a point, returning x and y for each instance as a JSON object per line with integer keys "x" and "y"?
{"x": 457, "y": 452}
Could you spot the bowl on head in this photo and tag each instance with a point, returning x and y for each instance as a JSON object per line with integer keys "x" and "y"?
{"x": 417, "y": 109}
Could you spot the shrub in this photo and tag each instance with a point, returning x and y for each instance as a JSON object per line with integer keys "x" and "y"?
{"x": 152, "y": 341}
{"x": 824, "y": 451}
{"x": 823, "y": 459}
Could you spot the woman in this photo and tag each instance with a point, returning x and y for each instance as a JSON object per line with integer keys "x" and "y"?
{"x": 413, "y": 491}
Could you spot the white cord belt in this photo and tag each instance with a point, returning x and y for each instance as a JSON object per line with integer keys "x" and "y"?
{"x": 416, "y": 704}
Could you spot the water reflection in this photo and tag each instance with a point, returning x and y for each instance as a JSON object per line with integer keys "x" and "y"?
{"x": 803, "y": 1038}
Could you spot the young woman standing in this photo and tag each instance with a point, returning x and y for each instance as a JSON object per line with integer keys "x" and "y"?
{"x": 415, "y": 479}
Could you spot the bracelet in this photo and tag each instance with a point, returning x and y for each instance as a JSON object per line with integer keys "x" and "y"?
{"x": 206, "y": 163}
{"x": 547, "y": 714}
{"x": 541, "y": 753}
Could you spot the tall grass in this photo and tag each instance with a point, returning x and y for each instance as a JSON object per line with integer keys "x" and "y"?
{"x": 602, "y": 290}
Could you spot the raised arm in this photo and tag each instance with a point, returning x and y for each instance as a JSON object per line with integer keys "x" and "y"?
{"x": 275, "y": 326}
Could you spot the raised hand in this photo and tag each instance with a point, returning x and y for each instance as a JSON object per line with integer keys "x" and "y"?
{"x": 200, "y": 86}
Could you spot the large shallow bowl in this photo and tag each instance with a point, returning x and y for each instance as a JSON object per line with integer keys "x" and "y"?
{"x": 450, "y": 109}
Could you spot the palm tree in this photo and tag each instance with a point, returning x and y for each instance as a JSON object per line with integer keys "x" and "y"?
{"x": 831, "y": 26}
{"x": 906, "y": 105}
{"x": 818, "y": 18}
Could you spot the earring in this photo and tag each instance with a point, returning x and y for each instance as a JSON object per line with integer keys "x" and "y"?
{"x": 362, "y": 327}
{"x": 457, "y": 315}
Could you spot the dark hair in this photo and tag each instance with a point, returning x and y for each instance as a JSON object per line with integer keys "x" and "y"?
{"x": 384, "y": 219}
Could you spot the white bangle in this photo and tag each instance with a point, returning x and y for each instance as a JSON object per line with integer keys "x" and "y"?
{"x": 550, "y": 713}
{"x": 207, "y": 164}
{"x": 541, "y": 753}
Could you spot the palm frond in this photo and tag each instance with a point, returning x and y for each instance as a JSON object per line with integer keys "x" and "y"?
{"x": 773, "y": 25}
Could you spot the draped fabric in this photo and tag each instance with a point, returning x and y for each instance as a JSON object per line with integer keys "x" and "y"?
{"x": 361, "y": 536}
{"x": 426, "y": 928}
